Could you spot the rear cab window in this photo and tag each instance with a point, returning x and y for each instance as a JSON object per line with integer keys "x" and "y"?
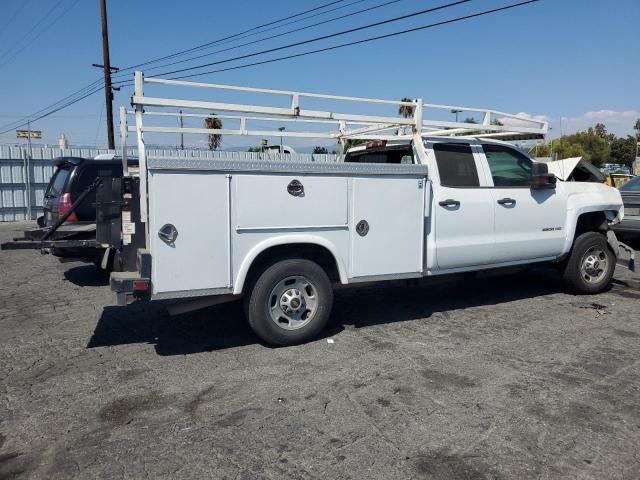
{"x": 392, "y": 155}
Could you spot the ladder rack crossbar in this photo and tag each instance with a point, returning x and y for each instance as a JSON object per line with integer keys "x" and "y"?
{"x": 419, "y": 118}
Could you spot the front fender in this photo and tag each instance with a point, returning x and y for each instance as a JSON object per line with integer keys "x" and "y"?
{"x": 584, "y": 198}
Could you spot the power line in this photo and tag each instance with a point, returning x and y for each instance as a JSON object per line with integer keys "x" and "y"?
{"x": 182, "y": 52}
{"x": 323, "y": 37}
{"x": 358, "y": 42}
{"x": 61, "y": 107}
{"x": 37, "y": 24}
{"x": 13, "y": 17}
{"x": 280, "y": 34}
{"x": 49, "y": 25}
{"x": 335, "y": 47}
{"x": 23, "y": 121}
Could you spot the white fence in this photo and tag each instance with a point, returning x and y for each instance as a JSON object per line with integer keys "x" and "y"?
{"x": 24, "y": 178}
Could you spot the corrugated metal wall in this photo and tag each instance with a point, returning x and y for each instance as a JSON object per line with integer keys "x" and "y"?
{"x": 23, "y": 179}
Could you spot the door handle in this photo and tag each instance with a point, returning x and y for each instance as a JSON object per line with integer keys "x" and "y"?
{"x": 507, "y": 201}
{"x": 449, "y": 202}
{"x": 168, "y": 234}
{"x": 295, "y": 188}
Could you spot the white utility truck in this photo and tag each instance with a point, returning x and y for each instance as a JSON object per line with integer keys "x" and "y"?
{"x": 425, "y": 196}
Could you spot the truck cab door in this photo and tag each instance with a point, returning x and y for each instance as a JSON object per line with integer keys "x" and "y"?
{"x": 529, "y": 223}
{"x": 462, "y": 209}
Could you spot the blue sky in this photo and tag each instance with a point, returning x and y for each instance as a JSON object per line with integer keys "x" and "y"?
{"x": 575, "y": 59}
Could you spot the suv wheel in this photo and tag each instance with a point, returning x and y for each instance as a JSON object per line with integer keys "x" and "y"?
{"x": 590, "y": 265}
{"x": 290, "y": 302}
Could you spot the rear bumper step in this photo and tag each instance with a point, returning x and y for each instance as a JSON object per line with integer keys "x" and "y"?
{"x": 130, "y": 286}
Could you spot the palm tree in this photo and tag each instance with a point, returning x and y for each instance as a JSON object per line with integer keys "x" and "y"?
{"x": 406, "y": 110}
{"x": 214, "y": 123}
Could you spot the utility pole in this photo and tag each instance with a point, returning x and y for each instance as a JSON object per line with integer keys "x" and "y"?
{"x": 181, "y": 134}
{"x": 107, "y": 74}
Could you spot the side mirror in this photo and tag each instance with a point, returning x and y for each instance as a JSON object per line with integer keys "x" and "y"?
{"x": 540, "y": 176}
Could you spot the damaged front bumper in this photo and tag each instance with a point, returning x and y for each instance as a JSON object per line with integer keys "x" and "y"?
{"x": 625, "y": 255}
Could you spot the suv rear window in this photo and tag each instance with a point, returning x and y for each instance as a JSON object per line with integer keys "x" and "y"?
{"x": 456, "y": 165}
{"x": 90, "y": 172}
{"x": 58, "y": 182}
{"x": 387, "y": 155}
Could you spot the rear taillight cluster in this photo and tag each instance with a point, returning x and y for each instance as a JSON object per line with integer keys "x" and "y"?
{"x": 64, "y": 206}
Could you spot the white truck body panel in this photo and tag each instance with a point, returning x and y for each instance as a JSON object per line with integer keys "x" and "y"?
{"x": 226, "y": 217}
{"x": 197, "y": 205}
{"x": 394, "y": 210}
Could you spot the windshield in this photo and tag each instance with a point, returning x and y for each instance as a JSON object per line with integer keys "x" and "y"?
{"x": 58, "y": 182}
{"x": 632, "y": 185}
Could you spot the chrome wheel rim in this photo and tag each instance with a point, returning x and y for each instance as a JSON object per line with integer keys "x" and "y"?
{"x": 292, "y": 302}
{"x": 593, "y": 266}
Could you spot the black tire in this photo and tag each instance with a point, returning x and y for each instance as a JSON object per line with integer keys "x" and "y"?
{"x": 312, "y": 285}
{"x": 576, "y": 276}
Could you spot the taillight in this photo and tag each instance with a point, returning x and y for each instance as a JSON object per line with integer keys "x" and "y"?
{"x": 140, "y": 286}
{"x": 64, "y": 205}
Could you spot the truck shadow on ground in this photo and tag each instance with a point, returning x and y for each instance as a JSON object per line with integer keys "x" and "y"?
{"x": 223, "y": 326}
{"x": 87, "y": 275}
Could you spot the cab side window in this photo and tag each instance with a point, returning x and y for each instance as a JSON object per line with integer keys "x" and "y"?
{"x": 509, "y": 167}
{"x": 456, "y": 165}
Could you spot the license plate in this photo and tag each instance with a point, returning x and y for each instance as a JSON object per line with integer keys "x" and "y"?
{"x": 632, "y": 212}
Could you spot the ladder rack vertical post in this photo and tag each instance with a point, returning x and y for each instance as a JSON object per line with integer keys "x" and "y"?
{"x": 142, "y": 157}
{"x": 417, "y": 117}
{"x": 123, "y": 141}
{"x": 342, "y": 129}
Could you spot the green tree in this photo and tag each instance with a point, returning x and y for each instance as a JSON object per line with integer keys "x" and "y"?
{"x": 600, "y": 130}
{"x": 497, "y": 122}
{"x": 636, "y": 127}
{"x": 320, "y": 150}
{"x": 213, "y": 123}
{"x": 623, "y": 150}
{"x": 254, "y": 149}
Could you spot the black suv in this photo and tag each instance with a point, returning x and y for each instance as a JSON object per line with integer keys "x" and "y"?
{"x": 72, "y": 177}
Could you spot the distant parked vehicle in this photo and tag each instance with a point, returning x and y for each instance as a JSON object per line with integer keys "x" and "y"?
{"x": 75, "y": 238}
{"x": 630, "y": 192}
{"x": 278, "y": 149}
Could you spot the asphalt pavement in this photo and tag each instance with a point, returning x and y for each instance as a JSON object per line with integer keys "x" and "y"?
{"x": 503, "y": 377}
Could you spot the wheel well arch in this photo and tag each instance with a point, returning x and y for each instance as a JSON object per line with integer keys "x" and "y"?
{"x": 585, "y": 221}
{"x": 322, "y": 253}
{"x": 591, "y": 222}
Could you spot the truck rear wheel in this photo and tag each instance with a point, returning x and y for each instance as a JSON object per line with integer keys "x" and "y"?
{"x": 590, "y": 265}
{"x": 290, "y": 302}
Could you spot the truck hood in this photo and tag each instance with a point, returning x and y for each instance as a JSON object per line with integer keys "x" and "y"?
{"x": 565, "y": 167}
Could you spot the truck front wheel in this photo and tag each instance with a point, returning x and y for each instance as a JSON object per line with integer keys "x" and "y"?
{"x": 590, "y": 265}
{"x": 290, "y": 302}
